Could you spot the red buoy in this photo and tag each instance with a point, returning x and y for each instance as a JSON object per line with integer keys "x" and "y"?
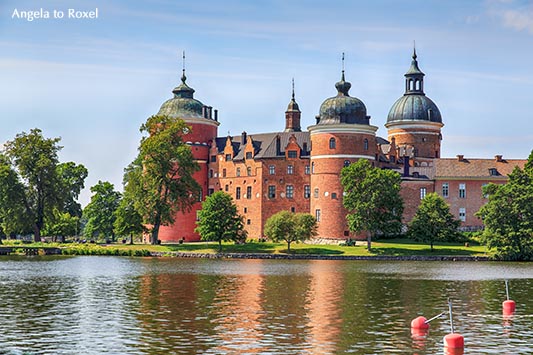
{"x": 509, "y": 307}
{"x": 451, "y": 351}
{"x": 454, "y": 341}
{"x": 419, "y": 323}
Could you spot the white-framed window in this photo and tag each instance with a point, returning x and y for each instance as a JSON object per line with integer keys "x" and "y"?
{"x": 462, "y": 190}
{"x": 315, "y": 193}
{"x": 423, "y": 192}
{"x": 307, "y": 191}
{"x": 249, "y": 192}
{"x": 365, "y": 144}
{"x": 462, "y": 214}
{"x": 307, "y": 170}
{"x": 238, "y": 172}
{"x": 271, "y": 191}
{"x": 445, "y": 189}
{"x": 271, "y": 169}
{"x": 318, "y": 215}
{"x": 332, "y": 143}
{"x": 290, "y": 169}
{"x": 249, "y": 171}
{"x": 238, "y": 193}
{"x": 289, "y": 191}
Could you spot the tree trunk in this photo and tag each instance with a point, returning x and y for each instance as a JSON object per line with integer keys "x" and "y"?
{"x": 155, "y": 229}
{"x": 289, "y": 247}
{"x": 431, "y": 245}
{"x": 220, "y": 245}
{"x": 131, "y": 239}
{"x": 368, "y": 241}
{"x": 36, "y": 233}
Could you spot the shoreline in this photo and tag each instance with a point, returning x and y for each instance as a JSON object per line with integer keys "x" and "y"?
{"x": 321, "y": 257}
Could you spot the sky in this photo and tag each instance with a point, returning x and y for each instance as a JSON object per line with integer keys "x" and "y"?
{"x": 94, "y": 81}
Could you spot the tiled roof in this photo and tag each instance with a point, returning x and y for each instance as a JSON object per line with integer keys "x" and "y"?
{"x": 265, "y": 144}
{"x": 476, "y": 168}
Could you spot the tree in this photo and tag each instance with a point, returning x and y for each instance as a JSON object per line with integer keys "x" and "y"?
{"x": 11, "y": 196}
{"x": 433, "y": 221}
{"x": 372, "y": 198}
{"x": 160, "y": 179}
{"x": 33, "y": 174}
{"x": 63, "y": 225}
{"x": 508, "y": 215}
{"x": 219, "y": 221}
{"x": 100, "y": 212}
{"x": 290, "y": 227}
{"x": 127, "y": 220}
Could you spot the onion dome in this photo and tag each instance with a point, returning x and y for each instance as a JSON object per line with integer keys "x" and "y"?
{"x": 183, "y": 104}
{"x": 414, "y": 105}
{"x": 343, "y": 108}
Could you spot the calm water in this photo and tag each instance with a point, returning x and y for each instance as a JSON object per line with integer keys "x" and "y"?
{"x": 113, "y": 305}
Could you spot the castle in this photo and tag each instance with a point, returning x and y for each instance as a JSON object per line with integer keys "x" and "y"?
{"x": 298, "y": 170}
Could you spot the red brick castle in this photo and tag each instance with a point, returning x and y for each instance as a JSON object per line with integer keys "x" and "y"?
{"x": 299, "y": 170}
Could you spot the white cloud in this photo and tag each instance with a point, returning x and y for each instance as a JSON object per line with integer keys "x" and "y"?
{"x": 519, "y": 20}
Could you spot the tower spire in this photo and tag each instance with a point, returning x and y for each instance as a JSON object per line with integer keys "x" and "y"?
{"x": 183, "y": 77}
{"x": 414, "y": 49}
{"x": 292, "y": 89}
{"x": 342, "y": 77}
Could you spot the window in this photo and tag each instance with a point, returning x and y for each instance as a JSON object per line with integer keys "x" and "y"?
{"x": 248, "y": 221}
{"x": 213, "y": 158}
{"x": 307, "y": 191}
{"x": 249, "y": 171}
{"x": 238, "y": 172}
{"x": 290, "y": 169}
{"x": 226, "y": 188}
{"x": 210, "y": 173}
{"x": 462, "y": 214}
{"x": 223, "y": 172}
{"x": 365, "y": 144}
{"x": 307, "y": 170}
{"x": 238, "y": 193}
{"x": 200, "y": 195}
{"x": 210, "y": 191}
{"x": 333, "y": 195}
{"x": 292, "y": 154}
{"x": 462, "y": 190}
{"x": 315, "y": 193}
{"x": 228, "y": 157}
{"x": 271, "y": 169}
{"x": 317, "y": 215}
{"x": 493, "y": 172}
{"x": 312, "y": 168}
{"x": 293, "y": 209}
{"x": 423, "y": 192}
{"x": 245, "y": 209}
{"x": 249, "y": 192}
{"x": 445, "y": 189}
{"x": 248, "y": 155}
{"x": 289, "y": 191}
{"x": 271, "y": 191}
{"x": 346, "y": 163}
{"x": 332, "y": 143}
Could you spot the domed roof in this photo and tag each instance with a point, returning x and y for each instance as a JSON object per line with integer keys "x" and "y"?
{"x": 414, "y": 105}
{"x": 414, "y": 108}
{"x": 183, "y": 104}
{"x": 343, "y": 108}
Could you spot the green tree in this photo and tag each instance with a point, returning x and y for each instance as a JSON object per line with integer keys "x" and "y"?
{"x": 160, "y": 180}
{"x": 72, "y": 180}
{"x": 127, "y": 220}
{"x": 12, "y": 211}
{"x": 290, "y": 227}
{"x": 219, "y": 221}
{"x": 36, "y": 182}
{"x": 372, "y": 198}
{"x": 63, "y": 225}
{"x": 100, "y": 212}
{"x": 508, "y": 215}
{"x": 433, "y": 221}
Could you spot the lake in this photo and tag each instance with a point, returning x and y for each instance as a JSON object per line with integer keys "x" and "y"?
{"x": 120, "y": 305}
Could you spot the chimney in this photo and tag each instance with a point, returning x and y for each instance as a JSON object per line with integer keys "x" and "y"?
{"x": 209, "y": 111}
{"x": 216, "y": 115}
{"x": 243, "y": 138}
{"x": 204, "y": 111}
{"x": 460, "y": 157}
{"x": 498, "y": 158}
{"x": 278, "y": 145}
{"x": 405, "y": 166}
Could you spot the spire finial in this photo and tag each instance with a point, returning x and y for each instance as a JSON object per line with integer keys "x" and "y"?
{"x": 183, "y": 77}
{"x": 293, "y": 89}
{"x": 414, "y": 49}
{"x": 342, "y": 78}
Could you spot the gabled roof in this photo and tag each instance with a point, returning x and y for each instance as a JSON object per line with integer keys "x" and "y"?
{"x": 476, "y": 168}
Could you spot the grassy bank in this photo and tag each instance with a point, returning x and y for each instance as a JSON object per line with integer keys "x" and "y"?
{"x": 393, "y": 247}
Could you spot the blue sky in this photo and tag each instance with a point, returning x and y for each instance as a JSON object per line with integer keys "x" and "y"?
{"x": 92, "y": 82}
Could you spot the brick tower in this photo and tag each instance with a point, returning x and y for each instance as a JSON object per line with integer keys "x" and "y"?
{"x": 204, "y": 126}
{"x": 414, "y": 121}
{"x": 342, "y": 135}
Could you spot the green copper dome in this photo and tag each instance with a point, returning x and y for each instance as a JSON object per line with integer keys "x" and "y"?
{"x": 183, "y": 104}
{"x": 414, "y": 105}
{"x": 343, "y": 108}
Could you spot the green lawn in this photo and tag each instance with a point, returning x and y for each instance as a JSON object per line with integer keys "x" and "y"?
{"x": 399, "y": 247}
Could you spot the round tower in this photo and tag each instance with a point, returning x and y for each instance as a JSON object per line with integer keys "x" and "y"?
{"x": 204, "y": 126}
{"x": 341, "y": 136}
{"x": 414, "y": 121}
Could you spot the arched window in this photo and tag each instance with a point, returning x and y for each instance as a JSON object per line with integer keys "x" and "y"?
{"x": 332, "y": 143}
{"x": 249, "y": 171}
{"x": 365, "y": 144}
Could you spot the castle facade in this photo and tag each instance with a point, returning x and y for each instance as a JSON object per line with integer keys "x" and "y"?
{"x": 299, "y": 170}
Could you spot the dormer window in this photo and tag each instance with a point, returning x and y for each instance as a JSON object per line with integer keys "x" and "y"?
{"x": 493, "y": 172}
{"x": 248, "y": 155}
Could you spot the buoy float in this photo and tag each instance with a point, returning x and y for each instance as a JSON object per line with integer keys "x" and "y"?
{"x": 508, "y": 306}
{"x": 419, "y": 323}
{"x": 453, "y": 340}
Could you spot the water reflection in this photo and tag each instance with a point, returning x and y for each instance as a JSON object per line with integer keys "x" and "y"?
{"x": 109, "y": 305}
